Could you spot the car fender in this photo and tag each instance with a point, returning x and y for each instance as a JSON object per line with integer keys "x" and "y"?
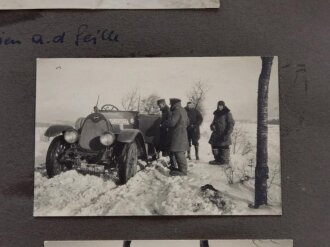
{"x": 56, "y": 130}
{"x": 130, "y": 135}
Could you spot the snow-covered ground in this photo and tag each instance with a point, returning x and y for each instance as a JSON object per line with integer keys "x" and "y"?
{"x": 154, "y": 192}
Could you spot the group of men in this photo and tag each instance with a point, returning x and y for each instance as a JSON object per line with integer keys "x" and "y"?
{"x": 180, "y": 130}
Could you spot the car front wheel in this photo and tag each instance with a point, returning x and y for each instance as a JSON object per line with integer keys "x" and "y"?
{"x": 127, "y": 162}
{"x": 55, "y": 152}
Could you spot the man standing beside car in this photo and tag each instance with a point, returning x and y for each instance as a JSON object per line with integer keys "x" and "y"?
{"x": 178, "y": 123}
{"x": 195, "y": 121}
{"x": 165, "y": 138}
{"x": 222, "y": 127}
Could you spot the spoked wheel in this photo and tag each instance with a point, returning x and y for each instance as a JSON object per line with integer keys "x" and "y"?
{"x": 55, "y": 151}
{"x": 127, "y": 162}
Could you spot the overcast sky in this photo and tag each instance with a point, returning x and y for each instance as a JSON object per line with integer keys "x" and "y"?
{"x": 174, "y": 243}
{"x": 68, "y": 88}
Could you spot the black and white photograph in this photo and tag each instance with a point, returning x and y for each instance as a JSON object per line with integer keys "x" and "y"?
{"x": 157, "y": 136}
{"x": 109, "y": 4}
{"x": 176, "y": 243}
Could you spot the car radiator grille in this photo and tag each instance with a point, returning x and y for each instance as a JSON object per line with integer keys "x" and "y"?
{"x": 90, "y": 134}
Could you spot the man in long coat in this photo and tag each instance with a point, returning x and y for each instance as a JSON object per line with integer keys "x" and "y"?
{"x": 165, "y": 138}
{"x": 195, "y": 121}
{"x": 222, "y": 127}
{"x": 178, "y": 123}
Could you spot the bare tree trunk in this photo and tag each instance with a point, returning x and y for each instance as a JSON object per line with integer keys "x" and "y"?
{"x": 204, "y": 243}
{"x": 127, "y": 243}
{"x": 261, "y": 171}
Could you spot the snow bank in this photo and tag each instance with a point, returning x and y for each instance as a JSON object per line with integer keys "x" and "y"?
{"x": 151, "y": 192}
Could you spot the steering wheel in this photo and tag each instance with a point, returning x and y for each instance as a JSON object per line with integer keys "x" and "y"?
{"x": 109, "y": 107}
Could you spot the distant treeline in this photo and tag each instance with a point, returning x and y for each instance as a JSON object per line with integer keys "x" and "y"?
{"x": 42, "y": 125}
{"x": 270, "y": 121}
{"x": 274, "y": 121}
{"x": 45, "y": 125}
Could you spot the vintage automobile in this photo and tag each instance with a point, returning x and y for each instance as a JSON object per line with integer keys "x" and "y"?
{"x": 106, "y": 140}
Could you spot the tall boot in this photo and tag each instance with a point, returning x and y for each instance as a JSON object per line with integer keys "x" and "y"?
{"x": 182, "y": 165}
{"x": 225, "y": 156}
{"x": 173, "y": 163}
{"x": 188, "y": 154}
{"x": 215, "y": 152}
{"x": 196, "y": 152}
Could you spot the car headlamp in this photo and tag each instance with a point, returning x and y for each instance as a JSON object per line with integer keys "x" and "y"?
{"x": 107, "y": 138}
{"x": 132, "y": 121}
{"x": 71, "y": 136}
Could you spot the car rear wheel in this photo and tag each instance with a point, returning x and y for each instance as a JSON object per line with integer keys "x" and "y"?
{"x": 127, "y": 162}
{"x": 54, "y": 154}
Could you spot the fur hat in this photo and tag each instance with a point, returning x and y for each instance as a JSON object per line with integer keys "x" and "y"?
{"x": 161, "y": 101}
{"x": 221, "y": 103}
{"x": 173, "y": 101}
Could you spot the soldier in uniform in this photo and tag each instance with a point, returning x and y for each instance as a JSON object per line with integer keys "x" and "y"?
{"x": 165, "y": 138}
{"x": 195, "y": 120}
{"x": 222, "y": 127}
{"x": 178, "y": 123}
